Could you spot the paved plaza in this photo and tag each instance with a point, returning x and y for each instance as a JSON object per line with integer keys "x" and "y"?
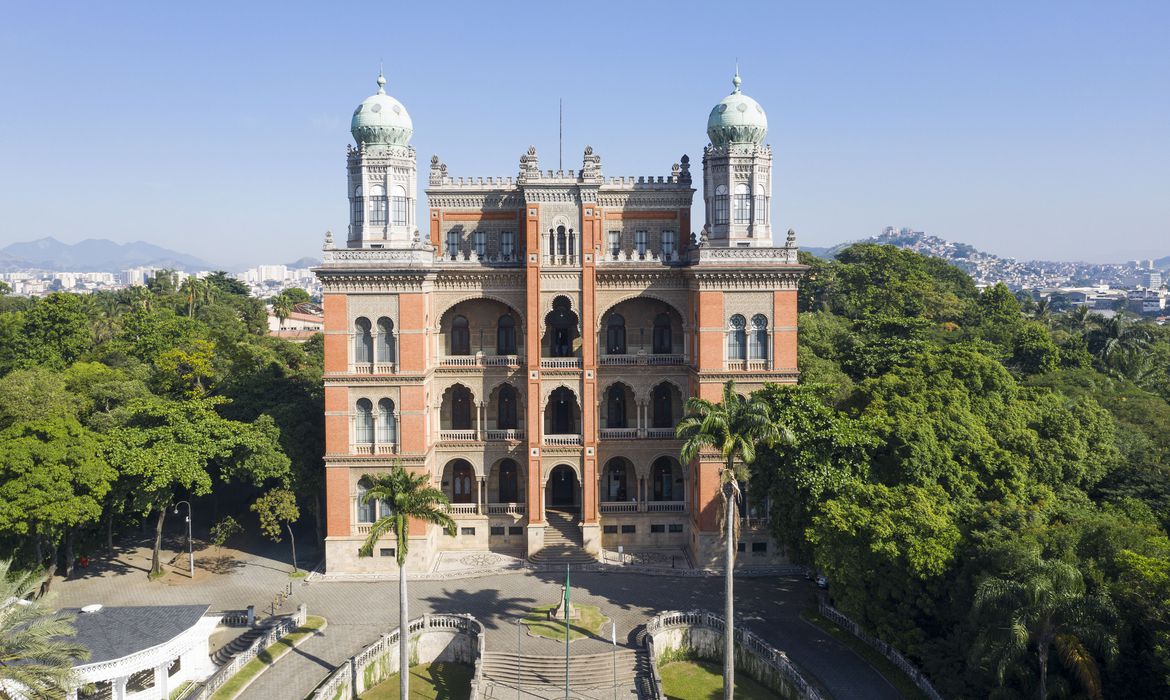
{"x": 359, "y": 611}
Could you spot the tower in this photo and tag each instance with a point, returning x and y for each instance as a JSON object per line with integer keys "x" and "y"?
{"x": 382, "y": 173}
{"x": 737, "y": 173}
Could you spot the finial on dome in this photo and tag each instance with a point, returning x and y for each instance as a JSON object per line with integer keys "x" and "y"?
{"x": 381, "y": 80}
{"x": 736, "y": 80}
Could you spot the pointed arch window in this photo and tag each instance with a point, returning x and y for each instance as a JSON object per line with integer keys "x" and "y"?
{"x": 615, "y": 335}
{"x": 399, "y": 207}
{"x": 737, "y": 338}
{"x": 720, "y": 214}
{"x": 506, "y": 335}
{"x": 461, "y": 408}
{"x": 615, "y": 407}
{"x": 366, "y": 512}
{"x": 758, "y": 342}
{"x": 508, "y": 487}
{"x": 460, "y": 336}
{"x": 363, "y": 341}
{"x": 357, "y": 207}
{"x": 742, "y": 204}
{"x": 386, "y": 348}
{"x": 387, "y": 423}
{"x": 761, "y": 205}
{"x": 663, "y": 480}
{"x": 378, "y": 205}
{"x": 663, "y": 407}
{"x": 363, "y": 429}
{"x": 506, "y": 409}
{"x": 662, "y": 334}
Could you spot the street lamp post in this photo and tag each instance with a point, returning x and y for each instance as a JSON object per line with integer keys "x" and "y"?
{"x": 190, "y": 542}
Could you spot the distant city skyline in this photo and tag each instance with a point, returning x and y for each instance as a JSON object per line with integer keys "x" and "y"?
{"x": 1028, "y": 131}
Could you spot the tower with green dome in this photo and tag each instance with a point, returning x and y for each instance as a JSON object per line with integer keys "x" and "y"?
{"x": 382, "y": 173}
{"x": 737, "y": 173}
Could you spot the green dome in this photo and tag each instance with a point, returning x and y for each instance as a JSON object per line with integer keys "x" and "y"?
{"x": 737, "y": 119}
{"x": 381, "y": 120}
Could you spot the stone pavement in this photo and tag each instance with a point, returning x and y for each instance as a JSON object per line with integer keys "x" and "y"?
{"x": 359, "y": 611}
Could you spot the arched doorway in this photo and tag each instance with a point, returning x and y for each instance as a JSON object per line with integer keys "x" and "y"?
{"x": 667, "y": 481}
{"x": 462, "y": 482}
{"x": 561, "y": 329}
{"x": 618, "y": 481}
{"x": 508, "y": 488}
{"x": 562, "y": 487}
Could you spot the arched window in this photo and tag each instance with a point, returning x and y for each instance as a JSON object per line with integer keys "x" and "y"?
{"x": 378, "y": 205}
{"x": 761, "y": 205}
{"x": 357, "y": 207}
{"x": 614, "y": 488}
{"x": 663, "y": 478}
{"x": 737, "y": 338}
{"x": 562, "y": 328}
{"x": 460, "y": 336}
{"x": 742, "y": 204}
{"x": 506, "y": 408}
{"x": 399, "y": 207}
{"x": 366, "y": 512}
{"x": 462, "y": 482}
{"x": 615, "y": 335}
{"x": 363, "y": 341}
{"x": 720, "y": 213}
{"x": 506, "y": 335}
{"x": 562, "y": 242}
{"x": 363, "y": 433}
{"x": 615, "y": 407}
{"x": 758, "y": 344}
{"x": 460, "y": 408}
{"x": 663, "y": 407}
{"x": 662, "y": 334}
{"x": 508, "y": 487}
{"x": 387, "y": 423}
{"x": 561, "y": 413}
{"x": 385, "y": 340}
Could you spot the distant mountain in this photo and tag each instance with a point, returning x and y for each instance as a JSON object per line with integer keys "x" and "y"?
{"x": 94, "y": 255}
{"x": 303, "y": 262}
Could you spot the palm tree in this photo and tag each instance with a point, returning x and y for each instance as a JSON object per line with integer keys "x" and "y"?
{"x": 1118, "y": 335}
{"x": 403, "y": 496}
{"x": 1043, "y": 607}
{"x": 734, "y": 427}
{"x": 282, "y": 307}
{"x": 1042, "y": 311}
{"x": 1080, "y": 318}
{"x": 36, "y": 658}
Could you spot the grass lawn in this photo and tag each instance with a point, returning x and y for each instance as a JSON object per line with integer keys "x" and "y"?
{"x": 703, "y": 680}
{"x": 438, "y": 681}
{"x": 588, "y": 625}
{"x": 889, "y": 671}
{"x": 266, "y": 658}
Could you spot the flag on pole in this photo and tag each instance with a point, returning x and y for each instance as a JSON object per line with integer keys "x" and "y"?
{"x": 566, "y": 591}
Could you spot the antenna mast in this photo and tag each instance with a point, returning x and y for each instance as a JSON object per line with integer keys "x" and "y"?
{"x": 561, "y": 133}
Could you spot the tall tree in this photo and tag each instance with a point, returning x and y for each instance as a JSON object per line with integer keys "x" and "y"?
{"x": 404, "y": 496}
{"x": 733, "y": 427}
{"x": 276, "y": 509}
{"x": 36, "y": 655}
{"x": 1044, "y": 607}
{"x": 282, "y": 307}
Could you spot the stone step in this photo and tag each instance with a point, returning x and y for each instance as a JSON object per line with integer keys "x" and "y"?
{"x": 584, "y": 670}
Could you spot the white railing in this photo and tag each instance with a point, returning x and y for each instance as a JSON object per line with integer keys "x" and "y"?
{"x": 505, "y": 435}
{"x": 275, "y": 632}
{"x": 506, "y": 509}
{"x": 384, "y": 368}
{"x": 895, "y": 657}
{"x": 660, "y": 433}
{"x": 738, "y": 256}
{"x": 363, "y": 448}
{"x": 385, "y": 448}
{"x": 463, "y": 435}
{"x": 748, "y": 642}
{"x": 560, "y": 363}
{"x": 362, "y": 528}
{"x": 501, "y": 360}
{"x": 619, "y": 507}
{"x": 361, "y": 368}
{"x": 642, "y": 358}
{"x": 480, "y": 360}
{"x": 747, "y": 365}
{"x": 619, "y": 433}
{"x": 463, "y": 509}
{"x": 459, "y": 361}
{"x": 756, "y": 523}
{"x": 666, "y": 506}
{"x": 562, "y": 440}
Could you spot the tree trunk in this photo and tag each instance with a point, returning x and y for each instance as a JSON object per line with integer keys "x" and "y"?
{"x": 70, "y": 537}
{"x": 729, "y": 605}
{"x": 155, "y": 563}
{"x": 293, "y": 541}
{"x": 403, "y": 634}
{"x": 110, "y": 534}
{"x": 1042, "y": 656}
{"x": 318, "y": 521}
{"x": 51, "y": 571}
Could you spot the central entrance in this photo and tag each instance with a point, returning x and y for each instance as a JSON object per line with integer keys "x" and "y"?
{"x": 562, "y": 486}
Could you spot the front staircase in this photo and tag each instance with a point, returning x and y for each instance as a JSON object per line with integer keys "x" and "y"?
{"x": 228, "y": 651}
{"x": 589, "y": 674}
{"x": 562, "y": 540}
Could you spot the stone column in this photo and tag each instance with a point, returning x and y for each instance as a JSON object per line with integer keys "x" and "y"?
{"x": 482, "y": 420}
{"x": 118, "y": 686}
{"x": 479, "y": 495}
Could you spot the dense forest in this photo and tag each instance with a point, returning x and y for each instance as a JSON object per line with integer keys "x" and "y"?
{"x": 985, "y": 484}
{"x": 115, "y": 406}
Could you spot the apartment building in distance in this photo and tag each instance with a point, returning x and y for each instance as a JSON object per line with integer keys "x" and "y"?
{"x": 530, "y": 346}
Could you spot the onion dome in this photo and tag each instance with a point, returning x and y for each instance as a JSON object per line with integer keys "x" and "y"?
{"x": 381, "y": 120}
{"x": 737, "y": 119}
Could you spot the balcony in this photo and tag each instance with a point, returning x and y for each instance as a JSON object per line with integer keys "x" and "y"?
{"x": 479, "y": 360}
{"x": 505, "y": 509}
{"x": 660, "y": 433}
{"x": 637, "y": 433}
{"x": 459, "y": 435}
{"x": 619, "y": 507}
{"x": 463, "y": 509}
{"x": 505, "y": 435}
{"x": 748, "y": 365}
{"x": 642, "y": 359}
{"x": 373, "y": 368}
{"x": 562, "y": 440}
{"x": 619, "y": 433}
{"x": 613, "y": 507}
{"x": 370, "y": 448}
{"x": 666, "y": 506}
{"x": 560, "y": 363}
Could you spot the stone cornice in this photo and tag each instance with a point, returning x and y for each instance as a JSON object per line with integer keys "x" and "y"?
{"x": 748, "y": 278}
{"x": 662, "y": 278}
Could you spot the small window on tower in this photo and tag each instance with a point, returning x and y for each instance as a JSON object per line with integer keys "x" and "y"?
{"x": 399, "y": 207}
{"x": 668, "y": 245}
{"x": 721, "y": 204}
{"x": 480, "y": 238}
{"x": 640, "y": 243}
{"x": 358, "y": 206}
{"x": 378, "y": 205}
{"x": 452, "y": 244}
{"x": 615, "y": 244}
{"x": 508, "y": 245}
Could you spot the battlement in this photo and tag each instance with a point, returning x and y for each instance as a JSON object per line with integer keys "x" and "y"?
{"x": 589, "y": 174}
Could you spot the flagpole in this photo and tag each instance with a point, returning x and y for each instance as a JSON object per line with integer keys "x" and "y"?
{"x": 518, "y": 637}
{"x": 566, "y": 632}
{"x": 613, "y": 637}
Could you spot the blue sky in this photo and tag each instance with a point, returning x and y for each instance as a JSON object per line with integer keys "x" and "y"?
{"x": 1030, "y": 129}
